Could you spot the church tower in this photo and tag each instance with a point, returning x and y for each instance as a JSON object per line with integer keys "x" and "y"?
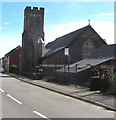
{"x": 32, "y": 40}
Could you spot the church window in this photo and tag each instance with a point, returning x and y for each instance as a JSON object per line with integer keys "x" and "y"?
{"x": 88, "y": 48}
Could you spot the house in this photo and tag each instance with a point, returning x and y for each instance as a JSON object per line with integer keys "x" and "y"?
{"x": 1, "y": 62}
{"x": 12, "y": 60}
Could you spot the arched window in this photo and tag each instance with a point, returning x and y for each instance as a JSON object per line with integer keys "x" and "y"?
{"x": 88, "y": 48}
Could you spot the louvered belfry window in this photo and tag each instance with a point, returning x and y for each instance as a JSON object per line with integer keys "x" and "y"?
{"x": 88, "y": 48}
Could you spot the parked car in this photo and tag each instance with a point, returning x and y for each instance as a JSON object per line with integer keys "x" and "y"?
{"x": 2, "y": 70}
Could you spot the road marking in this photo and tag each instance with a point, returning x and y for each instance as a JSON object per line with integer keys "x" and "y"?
{"x": 14, "y": 99}
{"x": 39, "y": 114}
{"x": 1, "y": 90}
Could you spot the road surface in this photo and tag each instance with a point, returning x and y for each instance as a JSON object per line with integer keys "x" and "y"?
{"x": 22, "y": 100}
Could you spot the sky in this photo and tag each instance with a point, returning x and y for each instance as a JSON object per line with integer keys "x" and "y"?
{"x": 60, "y": 18}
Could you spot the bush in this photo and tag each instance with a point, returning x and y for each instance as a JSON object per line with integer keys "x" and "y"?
{"x": 14, "y": 66}
{"x": 112, "y": 83}
{"x": 13, "y": 69}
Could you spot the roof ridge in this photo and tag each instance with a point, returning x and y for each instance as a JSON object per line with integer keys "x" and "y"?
{"x": 16, "y": 48}
{"x": 65, "y": 40}
{"x": 67, "y": 34}
{"x": 75, "y": 30}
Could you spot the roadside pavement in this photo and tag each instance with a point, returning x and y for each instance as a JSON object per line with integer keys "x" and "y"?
{"x": 94, "y": 97}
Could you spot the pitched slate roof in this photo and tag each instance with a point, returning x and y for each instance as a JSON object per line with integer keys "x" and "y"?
{"x": 105, "y": 51}
{"x": 64, "y": 41}
{"x": 13, "y": 50}
{"x": 101, "y": 55}
{"x": 83, "y": 65}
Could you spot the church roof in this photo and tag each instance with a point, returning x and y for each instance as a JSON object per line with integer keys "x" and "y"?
{"x": 64, "y": 41}
{"x": 105, "y": 51}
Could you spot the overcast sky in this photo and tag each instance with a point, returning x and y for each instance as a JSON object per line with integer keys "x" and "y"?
{"x": 60, "y": 18}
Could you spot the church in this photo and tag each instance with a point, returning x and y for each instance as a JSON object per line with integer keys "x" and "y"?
{"x": 42, "y": 61}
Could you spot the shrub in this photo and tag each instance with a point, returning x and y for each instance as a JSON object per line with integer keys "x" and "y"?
{"x": 14, "y": 66}
{"x": 112, "y": 83}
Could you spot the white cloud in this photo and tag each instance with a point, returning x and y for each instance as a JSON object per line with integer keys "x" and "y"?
{"x": 107, "y": 14}
{"x": 0, "y": 28}
{"x": 6, "y": 23}
{"x": 104, "y": 28}
{"x": 9, "y": 42}
{"x": 62, "y": 29}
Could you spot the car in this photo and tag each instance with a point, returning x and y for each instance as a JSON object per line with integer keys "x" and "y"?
{"x": 2, "y": 70}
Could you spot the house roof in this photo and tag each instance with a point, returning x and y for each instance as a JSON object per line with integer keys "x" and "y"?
{"x": 101, "y": 55}
{"x": 64, "y": 41}
{"x": 84, "y": 64}
{"x": 13, "y": 50}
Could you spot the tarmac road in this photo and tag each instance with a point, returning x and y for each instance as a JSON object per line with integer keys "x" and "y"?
{"x": 22, "y": 100}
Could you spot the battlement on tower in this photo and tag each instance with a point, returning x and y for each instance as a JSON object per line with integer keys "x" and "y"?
{"x": 29, "y": 9}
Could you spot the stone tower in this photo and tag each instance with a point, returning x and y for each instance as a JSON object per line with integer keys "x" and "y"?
{"x": 32, "y": 40}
